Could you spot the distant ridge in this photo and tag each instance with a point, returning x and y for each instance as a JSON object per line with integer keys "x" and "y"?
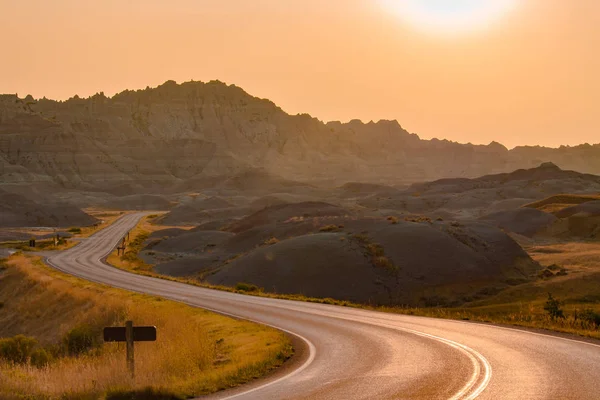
{"x": 199, "y": 131}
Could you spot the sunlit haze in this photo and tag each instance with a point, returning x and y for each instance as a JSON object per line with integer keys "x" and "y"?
{"x": 444, "y": 17}
{"x": 517, "y": 72}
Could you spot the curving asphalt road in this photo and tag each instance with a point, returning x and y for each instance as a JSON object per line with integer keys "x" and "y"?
{"x": 359, "y": 354}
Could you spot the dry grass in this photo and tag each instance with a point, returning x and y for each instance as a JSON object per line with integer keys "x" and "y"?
{"x": 523, "y": 304}
{"x": 561, "y": 201}
{"x": 271, "y": 241}
{"x": 197, "y": 352}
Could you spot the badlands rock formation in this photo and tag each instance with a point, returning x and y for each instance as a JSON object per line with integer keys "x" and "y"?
{"x": 160, "y": 137}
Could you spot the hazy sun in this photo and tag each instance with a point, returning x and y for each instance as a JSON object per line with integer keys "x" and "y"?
{"x": 453, "y": 16}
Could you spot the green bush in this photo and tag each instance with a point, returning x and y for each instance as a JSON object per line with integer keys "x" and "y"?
{"x": 591, "y": 317}
{"x": 271, "y": 241}
{"x": 81, "y": 340}
{"x": 75, "y": 230}
{"x": 40, "y": 358}
{"x": 247, "y": 287}
{"x": 330, "y": 228}
{"x": 17, "y": 349}
{"x": 552, "y": 307}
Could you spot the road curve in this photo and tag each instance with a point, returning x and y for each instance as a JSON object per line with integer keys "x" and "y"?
{"x": 359, "y": 354}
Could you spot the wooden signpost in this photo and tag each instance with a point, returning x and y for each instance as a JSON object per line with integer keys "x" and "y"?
{"x": 122, "y": 247}
{"x": 130, "y": 334}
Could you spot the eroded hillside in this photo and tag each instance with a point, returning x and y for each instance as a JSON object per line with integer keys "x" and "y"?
{"x": 171, "y": 134}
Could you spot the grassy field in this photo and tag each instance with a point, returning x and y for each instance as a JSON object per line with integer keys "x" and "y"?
{"x": 62, "y": 357}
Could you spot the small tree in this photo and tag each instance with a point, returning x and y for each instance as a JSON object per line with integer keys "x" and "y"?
{"x": 552, "y": 307}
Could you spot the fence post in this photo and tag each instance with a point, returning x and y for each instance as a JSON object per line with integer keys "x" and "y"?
{"x": 129, "y": 340}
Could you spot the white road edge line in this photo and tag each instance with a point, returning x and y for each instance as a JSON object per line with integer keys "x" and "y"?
{"x": 311, "y": 357}
{"x": 506, "y": 328}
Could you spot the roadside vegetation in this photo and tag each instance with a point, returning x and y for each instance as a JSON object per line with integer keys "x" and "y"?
{"x": 51, "y": 347}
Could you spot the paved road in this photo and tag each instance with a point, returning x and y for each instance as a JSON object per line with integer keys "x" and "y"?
{"x": 359, "y": 354}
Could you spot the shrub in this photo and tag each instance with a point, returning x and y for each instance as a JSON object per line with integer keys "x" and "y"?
{"x": 331, "y": 228}
{"x": 418, "y": 219}
{"x": 271, "y": 241}
{"x": 40, "y": 358}
{"x": 591, "y": 317}
{"x": 247, "y": 287}
{"x": 384, "y": 262}
{"x": 393, "y": 220}
{"x": 562, "y": 272}
{"x": 362, "y": 238}
{"x": 17, "y": 349}
{"x": 375, "y": 250}
{"x": 80, "y": 340}
{"x": 545, "y": 274}
{"x": 552, "y": 307}
{"x": 75, "y": 230}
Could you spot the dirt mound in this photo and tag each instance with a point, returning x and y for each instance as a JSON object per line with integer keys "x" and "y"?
{"x": 139, "y": 202}
{"x": 166, "y": 233}
{"x": 524, "y": 221}
{"x": 267, "y": 201}
{"x": 532, "y": 183}
{"x": 359, "y": 189}
{"x": 322, "y": 265}
{"x": 284, "y": 212}
{"x": 210, "y": 203}
{"x": 203, "y": 210}
{"x": 215, "y": 225}
{"x": 12, "y": 236}
{"x": 590, "y": 209}
{"x": 19, "y": 211}
{"x": 193, "y": 242}
{"x": 506, "y": 205}
{"x": 260, "y": 181}
{"x": 561, "y": 201}
{"x": 181, "y": 268}
{"x": 394, "y": 263}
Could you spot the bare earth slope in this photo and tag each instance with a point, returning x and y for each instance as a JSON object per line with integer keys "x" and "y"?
{"x": 19, "y": 211}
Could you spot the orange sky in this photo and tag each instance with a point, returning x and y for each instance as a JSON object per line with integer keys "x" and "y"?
{"x": 531, "y": 78}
